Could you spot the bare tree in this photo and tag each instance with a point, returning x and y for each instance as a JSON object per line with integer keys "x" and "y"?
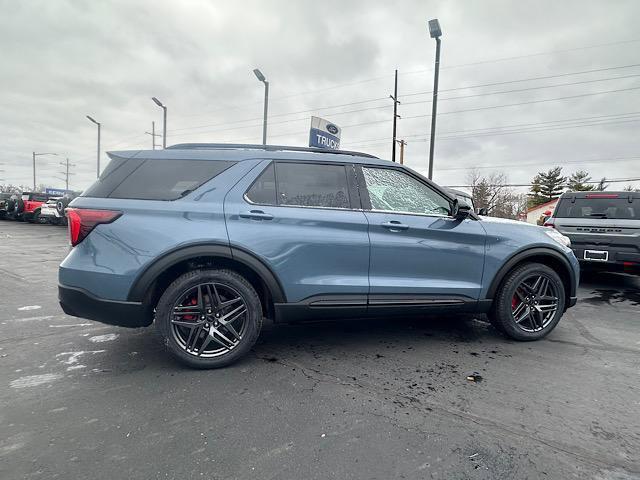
{"x": 493, "y": 194}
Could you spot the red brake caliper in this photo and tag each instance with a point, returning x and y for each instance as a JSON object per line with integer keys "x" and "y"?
{"x": 193, "y": 301}
{"x": 514, "y": 302}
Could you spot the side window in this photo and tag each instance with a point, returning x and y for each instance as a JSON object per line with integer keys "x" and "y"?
{"x": 312, "y": 185}
{"x": 395, "y": 191}
{"x": 263, "y": 189}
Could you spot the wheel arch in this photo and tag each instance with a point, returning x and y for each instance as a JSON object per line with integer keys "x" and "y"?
{"x": 547, "y": 256}
{"x": 151, "y": 282}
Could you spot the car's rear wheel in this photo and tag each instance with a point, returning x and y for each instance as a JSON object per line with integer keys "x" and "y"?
{"x": 529, "y": 302}
{"x": 209, "y": 318}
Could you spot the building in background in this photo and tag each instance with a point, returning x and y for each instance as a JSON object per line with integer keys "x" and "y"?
{"x": 535, "y": 213}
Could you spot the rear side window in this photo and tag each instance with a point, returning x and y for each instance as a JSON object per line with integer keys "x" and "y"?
{"x": 312, "y": 185}
{"x": 263, "y": 190}
{"x": 599, "y": 206}
{"x": 301, "y": 185}
{"x": 141, "y": 179}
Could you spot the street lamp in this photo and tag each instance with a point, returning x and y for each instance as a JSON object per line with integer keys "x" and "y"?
{"x": 434, "y": 32}
{"x": 164, "y": 121}
{"x": 34, "y": 166}
{"x": 261, "y": 77}
{"x": 98, "y": 154}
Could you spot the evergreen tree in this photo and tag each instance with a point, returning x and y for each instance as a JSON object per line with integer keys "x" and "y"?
{"x": 535, "y": 197}
{"x": 578, "y": 182}
{"x": 546, "y": 186}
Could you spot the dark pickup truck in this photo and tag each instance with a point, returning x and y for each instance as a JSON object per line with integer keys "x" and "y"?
{"x": 604, "y": 228}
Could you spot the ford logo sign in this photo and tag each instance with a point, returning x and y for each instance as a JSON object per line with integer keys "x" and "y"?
{"x": 332, "y": 129}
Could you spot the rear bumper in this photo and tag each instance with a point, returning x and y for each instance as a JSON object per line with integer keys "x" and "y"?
{"x": 80, "y": 303}
{"x": 49, "y": 212}
{"x": 616, "y": 256}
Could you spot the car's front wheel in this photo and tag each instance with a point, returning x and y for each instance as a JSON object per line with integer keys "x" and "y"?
{"x": 529, "y": 302}
{"x": 209, "y": 318}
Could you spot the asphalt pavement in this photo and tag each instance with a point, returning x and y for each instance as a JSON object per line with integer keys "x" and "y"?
{"x": 361, "y": 399}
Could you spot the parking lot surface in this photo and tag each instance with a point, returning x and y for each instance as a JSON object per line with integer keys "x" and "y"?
{"x": 356, "y": 399}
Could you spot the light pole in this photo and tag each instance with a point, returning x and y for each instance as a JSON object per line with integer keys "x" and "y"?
{"x": 34, "y": 166}
{"x": 98, "y": 154}
{"x": 164, "y": 120}
{"x": 261, "y": 77}
{"x": 434, "y": 32}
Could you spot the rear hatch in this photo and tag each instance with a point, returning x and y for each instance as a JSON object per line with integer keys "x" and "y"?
{"x": 603, "y": 227}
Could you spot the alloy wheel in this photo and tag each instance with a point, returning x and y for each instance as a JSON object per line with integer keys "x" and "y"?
{"x": 209, "y": 320}
{"x": 534, "y": 303}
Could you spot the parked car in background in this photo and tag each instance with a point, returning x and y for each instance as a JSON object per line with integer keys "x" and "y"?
{"x": 4, "y": 199}
{"x": 26, "y": 206}
{"x": 53, "y": 210}
{"x": 207, "y": 240}
{"x": 604, "y": 227}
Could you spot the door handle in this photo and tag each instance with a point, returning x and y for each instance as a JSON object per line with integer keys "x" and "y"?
{"x": 394, "y": 225}
{"x": 256, "y": 215}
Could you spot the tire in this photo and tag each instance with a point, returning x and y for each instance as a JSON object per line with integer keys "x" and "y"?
{"x": 36, "y": 218}
{"x": 11, "y": 204}
{"x": 177, "y": 338}
{"x": 517, "y": 299}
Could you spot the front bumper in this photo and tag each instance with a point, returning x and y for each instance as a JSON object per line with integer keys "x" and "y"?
{"x": 80, "y": 303}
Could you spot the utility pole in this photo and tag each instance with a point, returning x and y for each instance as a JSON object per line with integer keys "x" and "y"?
{"x": 34, "y": 166}
{"x": 153, "y": 135}
{"x": 402, "y": 144}
{"x": 66, "y": 173}
{"x": 434, "y": 32}
{"x": 394, "y": 97}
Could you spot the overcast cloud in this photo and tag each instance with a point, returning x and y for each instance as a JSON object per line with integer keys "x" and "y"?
{"x": 62, "y": 60}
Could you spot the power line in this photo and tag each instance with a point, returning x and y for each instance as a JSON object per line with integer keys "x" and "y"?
{"x": 607, "y": 180}
{"x": 381, "y": 77}
{"x": 528, "y": 102}
{"x": 505, "y": 126}
{"x": 542, "y": 87}
{"x": 424, "y": 115}
{"x": 562, "y": 164}
{"x": 505, "y": 82}
{"x": 507, "y": 132}
{"x": 311, "y": 110}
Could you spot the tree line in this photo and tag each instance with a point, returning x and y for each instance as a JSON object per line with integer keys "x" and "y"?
{"x": 493, "y": 193}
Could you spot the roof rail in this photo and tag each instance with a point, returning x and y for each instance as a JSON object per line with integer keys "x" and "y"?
{"x": 268, "y": 148}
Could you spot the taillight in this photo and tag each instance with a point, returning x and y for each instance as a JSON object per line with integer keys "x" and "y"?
{"x": 602, "y": 195}
{"x": 82, "y": 220}
{"x": 549, "y": 223}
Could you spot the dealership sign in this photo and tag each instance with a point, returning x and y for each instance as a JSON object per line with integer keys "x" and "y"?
{"x": 56, "y": 192}
{"x": 324, "y": 134}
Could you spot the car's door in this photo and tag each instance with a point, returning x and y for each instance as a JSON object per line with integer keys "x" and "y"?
{"x": 305, "y": 221}
{"x": 420, "y": 254}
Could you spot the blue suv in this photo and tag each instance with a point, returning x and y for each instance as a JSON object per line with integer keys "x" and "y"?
{"x": 208, "y": 239}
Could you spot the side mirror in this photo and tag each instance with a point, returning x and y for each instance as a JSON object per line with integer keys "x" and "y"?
{"x": 459, "y": 210}
{"x": 482, "y": 211}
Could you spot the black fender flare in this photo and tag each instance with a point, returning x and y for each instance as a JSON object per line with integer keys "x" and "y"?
{"x": 146, "y": 278}
{"x": 530, "y": 253}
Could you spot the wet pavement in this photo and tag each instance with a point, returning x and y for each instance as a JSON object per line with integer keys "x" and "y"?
{"x": 355, "y": 399}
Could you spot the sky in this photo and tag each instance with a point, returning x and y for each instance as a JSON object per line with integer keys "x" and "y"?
{"x": 524, "y": 86}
